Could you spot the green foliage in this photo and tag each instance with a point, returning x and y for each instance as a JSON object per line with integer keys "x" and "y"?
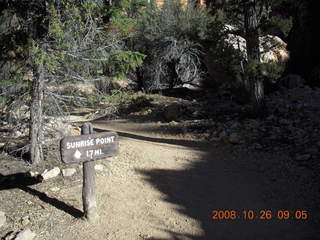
{"x": 174, "y": 20}
{"x": 94, "y": 100}
{"x": 86, "y": 49}
{"x": 272, "y": 14}
{"x": 122, "y": 22}
{"x": 5, "y": 19}
{"x": 283, "y": 24}
{"x": 118, "y": 97}
{"x": 55, "y": 25}
{"x": 122, "y": 61}
{"x": 12, "y": 73}
{"x": 74, "y": 43}
{"x": 123, "y": 16}
{"x": 76, "y": 40}
{"x": 3, "y": 100}
{"x": 132, "y": 8}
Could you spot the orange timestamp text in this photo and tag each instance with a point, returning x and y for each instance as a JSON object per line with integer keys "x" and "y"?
{"x": 259, "y": 215}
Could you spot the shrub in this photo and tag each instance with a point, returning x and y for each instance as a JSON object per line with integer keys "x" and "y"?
{"x": 171, "y": 37}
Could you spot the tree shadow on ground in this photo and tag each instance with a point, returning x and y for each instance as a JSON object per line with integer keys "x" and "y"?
{"x": 23, "y": 181}
{"x": 179, "y": 142}
{"x": 225, "y": 181}
{"x": 184, "y": 93}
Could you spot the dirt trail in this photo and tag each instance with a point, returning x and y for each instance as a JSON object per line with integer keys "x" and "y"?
{"x": 165, "y": 187}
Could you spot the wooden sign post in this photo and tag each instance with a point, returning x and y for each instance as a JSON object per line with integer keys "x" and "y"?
{"x": 85, "y": 149}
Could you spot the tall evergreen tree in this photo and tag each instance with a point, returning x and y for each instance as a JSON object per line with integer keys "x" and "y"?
{"x": 29, "y": 29}
{"x": 58, "y": 41}
{"x": 248, "y": 16}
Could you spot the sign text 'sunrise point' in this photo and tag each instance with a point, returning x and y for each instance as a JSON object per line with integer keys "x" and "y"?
{"x": 87, "y": 147}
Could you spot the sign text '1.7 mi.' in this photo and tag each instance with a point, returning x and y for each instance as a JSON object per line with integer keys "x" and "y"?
{"x": 77, "y": 149}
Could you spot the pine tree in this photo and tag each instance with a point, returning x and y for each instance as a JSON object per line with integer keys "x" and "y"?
{"x": 28, "y": 30}
{"x": 248, "y": 17}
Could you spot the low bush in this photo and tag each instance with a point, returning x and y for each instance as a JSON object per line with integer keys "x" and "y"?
{"x": 171, "y": 37}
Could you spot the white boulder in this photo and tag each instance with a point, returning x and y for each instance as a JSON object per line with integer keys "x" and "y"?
{"x": 26, "y": 234}
{"x": 50, "y": 174}
{"x": 68, "y": 172}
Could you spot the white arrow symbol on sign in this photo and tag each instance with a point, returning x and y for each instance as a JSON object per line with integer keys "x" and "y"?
{"x": 77, "y": 154}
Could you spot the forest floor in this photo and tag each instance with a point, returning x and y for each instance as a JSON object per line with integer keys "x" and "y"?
{"x": 167, "y": 183}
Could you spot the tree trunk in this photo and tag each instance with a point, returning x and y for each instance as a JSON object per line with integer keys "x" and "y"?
{"x": 36, "y": 134}
{"x": 253, "y": 53}
{"x": 251, "y": 30}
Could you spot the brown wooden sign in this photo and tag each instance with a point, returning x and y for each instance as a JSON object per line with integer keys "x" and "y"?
{"x": 88, "y": 147}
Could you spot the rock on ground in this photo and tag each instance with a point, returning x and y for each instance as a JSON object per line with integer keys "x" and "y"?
{"x": 51, "y": 173}
{"x": 272, "y": 47}
{"x": 172, "y": 111}
{"x": 68, "y": 172}
{"x": 33, "y": 174}
{"x": 2, "y": 219}
{"x": 99, "y": 167}
{"x": 26, "y": 234}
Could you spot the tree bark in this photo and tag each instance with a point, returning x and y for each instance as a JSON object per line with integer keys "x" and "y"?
{"x": 251, "y": 29}
{"x": 253, "y": 53}
{"x": 36, "y": 133}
